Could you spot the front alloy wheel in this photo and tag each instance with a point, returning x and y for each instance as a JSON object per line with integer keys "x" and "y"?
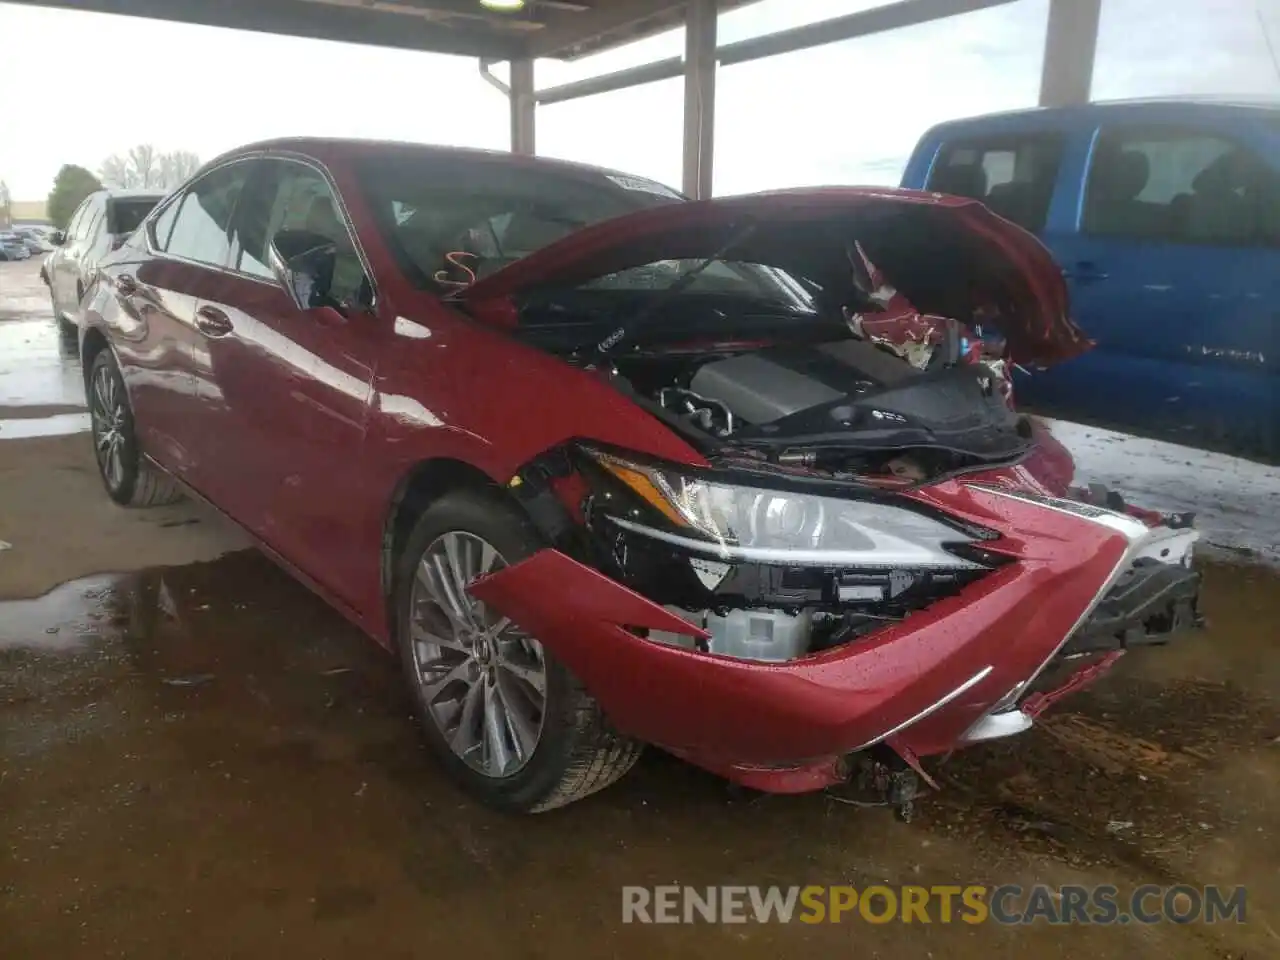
{"x": 507, "y": 720}
{"x": 483, "y": 680}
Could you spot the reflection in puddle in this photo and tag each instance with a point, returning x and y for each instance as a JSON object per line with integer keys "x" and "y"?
{"x": 39, "y": 365}
{"x": 238, "y": 608}
{"x": 58, "y": 425}
{"x": 65, "y": 618}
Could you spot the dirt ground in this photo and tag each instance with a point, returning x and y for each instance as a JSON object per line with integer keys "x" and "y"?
{"x": 199, "y": 759}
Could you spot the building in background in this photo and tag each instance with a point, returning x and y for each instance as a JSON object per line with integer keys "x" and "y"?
{"x": 29, "y": 213}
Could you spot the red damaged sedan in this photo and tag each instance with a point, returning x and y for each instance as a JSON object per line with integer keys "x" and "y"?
{"x": 738, "y": 478}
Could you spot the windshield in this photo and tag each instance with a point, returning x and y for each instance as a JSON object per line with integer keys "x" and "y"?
{"x": 755, "y": 281}
{"x": 451, "y": 219}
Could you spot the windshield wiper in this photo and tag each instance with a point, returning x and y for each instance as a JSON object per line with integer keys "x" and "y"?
{"x": 679, "y": 285}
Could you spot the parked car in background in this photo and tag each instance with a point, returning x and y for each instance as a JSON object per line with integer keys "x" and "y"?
{"x": 1165, "y": 216}
{"x": 13, "y": 247}
{"x": 35, "y": 244}
{"x": 98, "y": 226}
{"x": 606, "y": 467}
{"x": 37, "y": 241}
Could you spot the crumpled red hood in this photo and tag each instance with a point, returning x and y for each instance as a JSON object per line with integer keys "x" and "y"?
{"x": 949, "y": 256}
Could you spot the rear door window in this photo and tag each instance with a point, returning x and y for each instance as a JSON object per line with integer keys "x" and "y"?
{"x": 89, "y": 222}
{"x": 1181, "y": 186}
{"x": 125, "y": 213}
{"x": 1014, "y": 175}
{"x": 74, "y": 223}
{"x": 201, "y": 227}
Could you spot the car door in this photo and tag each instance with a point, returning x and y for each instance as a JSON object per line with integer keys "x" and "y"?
{"x": 98, "y": 243}
{"x": 59, "y": 268}
{"x": 91, "y": 251}
{"x": 77, "y": 253}
{"x": 1175, "y": 272}
{"x": 289, "y": 388}
{"x": 189, "y": 246}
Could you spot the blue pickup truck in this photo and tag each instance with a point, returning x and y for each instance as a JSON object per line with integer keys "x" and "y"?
{"x": 1165, "y": 217}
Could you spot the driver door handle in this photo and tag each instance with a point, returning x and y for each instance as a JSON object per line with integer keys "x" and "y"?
{"x": 126, "y": 285}
{"x": 212, "y": 322}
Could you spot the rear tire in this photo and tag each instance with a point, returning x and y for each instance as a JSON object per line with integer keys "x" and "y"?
{"x": 66, "y": 321}
{"x": 65, "y": 326}
{"x": 130, "y": 479}
{"x": 575, "y": 751}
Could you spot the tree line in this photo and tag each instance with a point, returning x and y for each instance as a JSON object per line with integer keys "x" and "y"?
{"x": 142, "y": 168}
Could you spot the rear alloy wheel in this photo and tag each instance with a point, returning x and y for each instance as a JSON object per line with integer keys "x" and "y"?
{"x": 506, "y": 719}
{"x": 129, "y": 478}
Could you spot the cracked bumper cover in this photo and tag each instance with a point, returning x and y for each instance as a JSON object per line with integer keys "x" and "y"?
{"x": 1151, "y": 601}
{"x": 927, "y": 684}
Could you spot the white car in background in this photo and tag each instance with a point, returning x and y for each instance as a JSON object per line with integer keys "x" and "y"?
{"x": 100, "y": 224}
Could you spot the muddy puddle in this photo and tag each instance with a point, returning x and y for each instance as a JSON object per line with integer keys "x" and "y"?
{"x": 206, "y": 762}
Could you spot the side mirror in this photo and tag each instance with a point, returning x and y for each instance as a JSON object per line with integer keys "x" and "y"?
{"x": 58, "y": 238}
{"x": 303, "y": 262}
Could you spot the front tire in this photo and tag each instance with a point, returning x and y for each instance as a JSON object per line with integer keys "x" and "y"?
{"x": 130, "y": 480}
{"x": 508, "y": 722}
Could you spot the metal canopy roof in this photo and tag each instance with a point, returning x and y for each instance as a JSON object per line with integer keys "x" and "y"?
{"x": 543, "y": 28}
{"x": 565, "y": 29}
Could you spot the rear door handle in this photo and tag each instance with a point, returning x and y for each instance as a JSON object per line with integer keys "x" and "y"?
{"x": 212, "y": 322}
{"x": 1085, "y": 271}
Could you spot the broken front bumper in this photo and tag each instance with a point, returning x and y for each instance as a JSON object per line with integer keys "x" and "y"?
{"x": 1153, "y": 597}
{"x": 959, "y": 670}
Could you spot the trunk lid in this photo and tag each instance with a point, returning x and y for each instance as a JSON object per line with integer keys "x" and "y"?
{"x": 948, "y": 256}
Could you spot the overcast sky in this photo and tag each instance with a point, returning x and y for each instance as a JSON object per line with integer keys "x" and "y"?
{"x": 845, "y": 113}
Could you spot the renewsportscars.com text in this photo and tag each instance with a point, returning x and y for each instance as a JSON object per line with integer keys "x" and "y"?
{"x": 1006, "y": 904}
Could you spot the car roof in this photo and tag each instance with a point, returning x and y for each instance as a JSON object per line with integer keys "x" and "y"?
{"x": 331, "y": 148}
{"x": 133, "y": 194}
{"x": 1163, "y": 108}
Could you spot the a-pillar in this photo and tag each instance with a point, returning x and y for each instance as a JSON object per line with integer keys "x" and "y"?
{"x": 699, "y": 97}
{"x": 1070, "y": 45}
{"x": 523, "y": 108}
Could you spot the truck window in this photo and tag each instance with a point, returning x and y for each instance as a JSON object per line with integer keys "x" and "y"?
{"x": 1188, "y": 187}
{"x": 1013, "y": 175}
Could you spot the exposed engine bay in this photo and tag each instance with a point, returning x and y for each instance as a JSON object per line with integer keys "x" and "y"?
{"x": 851, "y": 407}
{"x": 882, "y": 396}
{"x": 848, "y": 381}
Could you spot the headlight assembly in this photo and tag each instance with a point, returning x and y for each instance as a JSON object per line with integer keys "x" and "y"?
{"x": 732, "y": 522}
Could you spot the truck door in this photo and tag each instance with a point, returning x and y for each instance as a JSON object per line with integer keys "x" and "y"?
{"x": 1174, "y": 270}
